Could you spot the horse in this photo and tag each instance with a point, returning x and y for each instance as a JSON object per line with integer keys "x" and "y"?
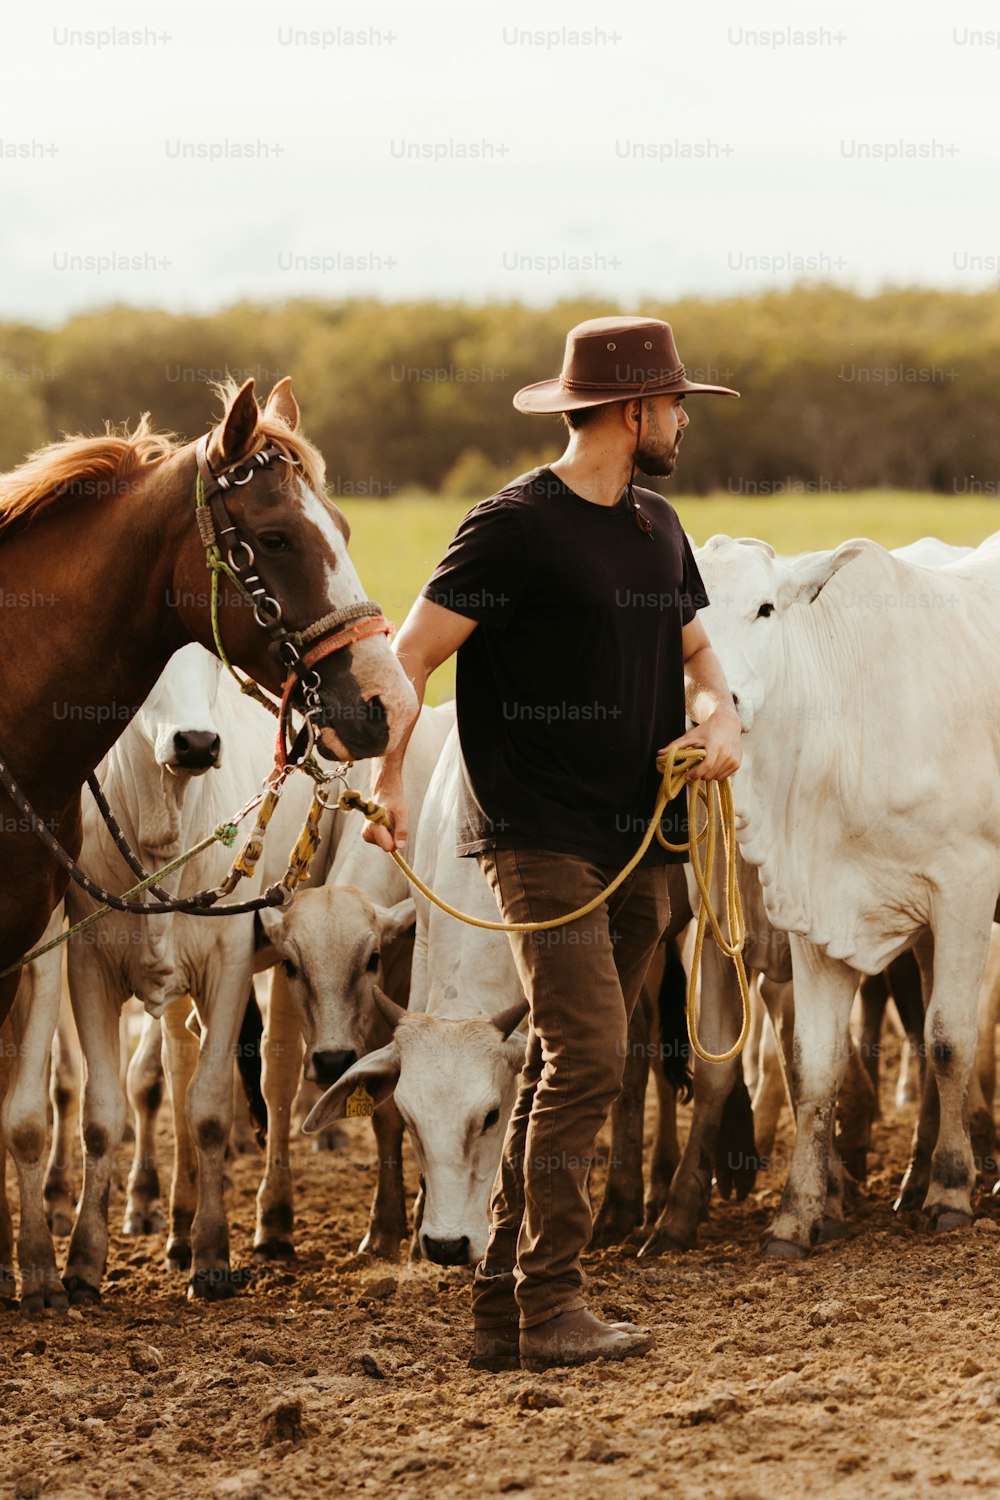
{"x": 103, "y": 571}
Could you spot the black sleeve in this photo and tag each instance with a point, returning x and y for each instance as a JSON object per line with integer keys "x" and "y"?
{"x": 486, "y": 567}
{"x": 693, "y": 594}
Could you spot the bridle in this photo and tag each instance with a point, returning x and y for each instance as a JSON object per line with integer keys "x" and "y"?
{"x": 228, "y": 552}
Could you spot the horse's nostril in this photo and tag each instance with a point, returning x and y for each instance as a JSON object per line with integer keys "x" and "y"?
{"x": 376, "y": 711}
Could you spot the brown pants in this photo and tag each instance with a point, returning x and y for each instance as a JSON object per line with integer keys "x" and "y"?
{"x": 582, "y": 982}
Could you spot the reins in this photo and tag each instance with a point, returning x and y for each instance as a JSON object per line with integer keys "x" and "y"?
{"x": 717, "y": 799}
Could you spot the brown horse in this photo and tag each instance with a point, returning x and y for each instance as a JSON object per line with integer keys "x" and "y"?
{"x": 103, "y": 577}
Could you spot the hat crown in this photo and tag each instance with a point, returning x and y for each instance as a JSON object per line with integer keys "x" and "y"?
{"x": 633, "y": 355}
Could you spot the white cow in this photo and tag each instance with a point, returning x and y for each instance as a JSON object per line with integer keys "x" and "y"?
{"x": 336, "y": 942}
{"x": 452, "y": 1063}
{"x": 866, "y": 686}
{"x": 165, "y": 959}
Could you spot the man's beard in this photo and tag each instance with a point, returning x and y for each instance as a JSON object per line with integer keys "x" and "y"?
{"x": 656, "y": 462}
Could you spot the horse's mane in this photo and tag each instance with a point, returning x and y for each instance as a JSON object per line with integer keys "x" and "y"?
{"x": 82, "y": 465}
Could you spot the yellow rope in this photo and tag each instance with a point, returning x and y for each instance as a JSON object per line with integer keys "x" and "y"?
{"x": 717, "y": 798}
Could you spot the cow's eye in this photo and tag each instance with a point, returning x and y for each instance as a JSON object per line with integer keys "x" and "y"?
{"x": 289, "y": 968}
{"x": 491, "y": 1120}
{"x": 766, "y": 609}
{"x": 274, "y": 541}
{"x": 372, "y": 965}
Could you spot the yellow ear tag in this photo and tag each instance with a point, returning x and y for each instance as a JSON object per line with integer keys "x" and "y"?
{"x": 360, "y": 1104}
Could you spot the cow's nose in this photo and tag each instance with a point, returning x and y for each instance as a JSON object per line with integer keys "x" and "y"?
{"x": 196, "y": 750}
{"x": 330, "y": 1067}
{"x": 447, "y": 1252}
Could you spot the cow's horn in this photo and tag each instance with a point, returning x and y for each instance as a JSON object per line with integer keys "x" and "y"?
{"x": 510, "y": 1019}
{"x": 390, "y": 1011}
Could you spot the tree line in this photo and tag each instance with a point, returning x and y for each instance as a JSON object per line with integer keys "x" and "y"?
{"x": 840, "y": 391}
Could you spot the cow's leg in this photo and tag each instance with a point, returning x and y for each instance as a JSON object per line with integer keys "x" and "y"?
{"x": 180, "y": 1050}
{"x": 772, "y": 1090}
{"x": 824, "y": 993}
{"x": 64, "y": 1092}
{"x": 24, "y": 1125}
{"x": 719, "y": 1024}
{"x": 210, "y": 1119}
{"x": 910, "y": 987}
{"x": 144, "y": 1085}
{"x": 874, "y": 997}
{"x": 917, "y": 1176}
{"x": 856, "y": 1112}
{"x": 387, "y": 1224}
{"x": 621, "y": 1210}
{"x": 666, "y": 1146}
{"x": 97, "y": 1014}
{"x": 281, "y": 1070}
{"x": 8, "y": 1280}
{"x": 960, "y": 951}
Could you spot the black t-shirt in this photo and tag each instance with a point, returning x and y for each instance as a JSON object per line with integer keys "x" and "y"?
{"x": 574, "y": 678}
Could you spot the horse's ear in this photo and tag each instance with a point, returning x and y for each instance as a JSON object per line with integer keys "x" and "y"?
{"x": 234, "y": 435}
{"x": 281, "y": 403}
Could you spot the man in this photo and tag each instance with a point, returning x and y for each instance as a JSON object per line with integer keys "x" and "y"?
{"x": 571, "y": 600}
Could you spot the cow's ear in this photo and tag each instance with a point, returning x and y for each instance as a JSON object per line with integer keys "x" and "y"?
{"x": 368, "y": 1083}
{"x": 395, "y": 920}
{"x": 807, "y": 576}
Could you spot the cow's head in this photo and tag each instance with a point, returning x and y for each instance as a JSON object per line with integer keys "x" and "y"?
{"x": 330, "y": 942}
{"x": 751, "y": 590}
{"x": 179, "y": 719}
{"x": 454, "y": 1083}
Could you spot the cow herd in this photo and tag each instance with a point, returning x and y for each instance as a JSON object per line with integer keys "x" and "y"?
{"x": 868, "y": 806}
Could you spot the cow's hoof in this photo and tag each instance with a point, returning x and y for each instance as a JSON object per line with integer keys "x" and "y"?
{"x": 383, "y": 1244}
{"x": 782, "y": 1250}
{"x": 8, "y": 1292}
{"x": 831, "y": 1229}
{"x": 214, "y": 1286}
{"x": 613, "y": 1228}
{"x": 273, "y": 1249}
{"x": 939, "y": 1220}
{"x": 139, "y": 1221}
{"x": 660, "y": 1242}
{"x": 81, "y": 1293}
{"x": 44, "y": 1299}
{"x": 178, "y": 1255}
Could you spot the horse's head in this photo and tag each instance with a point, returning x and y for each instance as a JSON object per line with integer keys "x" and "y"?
{"x": 288, "y": 543}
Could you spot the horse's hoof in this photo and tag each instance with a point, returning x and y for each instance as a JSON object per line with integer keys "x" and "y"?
{"x": 214, "y": 1286}
{"x": 81, "y": 1293}
{"x": 937, "y": 1220}
{"x": 273, "y": 1249}
{"x": 178, "y": 1256}
{"x": 783, "y": 1250}
{"x": 831, "y": 1229}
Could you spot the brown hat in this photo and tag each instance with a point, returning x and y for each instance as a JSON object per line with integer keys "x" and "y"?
{"x": 613, "y": 359}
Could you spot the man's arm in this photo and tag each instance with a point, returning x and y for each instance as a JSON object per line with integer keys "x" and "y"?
{"x": 429, "y": 635}
{"x": 710, "y": 704}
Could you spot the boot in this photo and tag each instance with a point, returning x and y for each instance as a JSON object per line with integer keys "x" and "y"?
{"x": 575, "y": 1338}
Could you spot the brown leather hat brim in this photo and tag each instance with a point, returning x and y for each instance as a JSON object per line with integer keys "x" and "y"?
{"x": 549, "y": 397}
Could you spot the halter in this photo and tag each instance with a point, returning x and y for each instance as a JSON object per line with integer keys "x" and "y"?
{"x": 332, "y": 632}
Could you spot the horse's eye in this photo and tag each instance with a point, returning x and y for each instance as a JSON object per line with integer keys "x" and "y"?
{"x": 373, "y": 962}
{"x": 491, "y": 1120}
{"x": 765, "y": 610}
{"x": 274, "y": 541}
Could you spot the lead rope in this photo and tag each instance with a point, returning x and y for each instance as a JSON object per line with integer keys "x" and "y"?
{"x": 717, "y": 799}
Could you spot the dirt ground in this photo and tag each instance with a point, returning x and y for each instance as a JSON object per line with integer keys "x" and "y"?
{"x": 871, "y": 1370}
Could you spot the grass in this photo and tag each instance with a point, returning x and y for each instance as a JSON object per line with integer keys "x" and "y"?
{"x": 397, "y": 543}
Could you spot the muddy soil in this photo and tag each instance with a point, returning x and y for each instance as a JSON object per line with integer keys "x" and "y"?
{"x": 871, "y": 1370}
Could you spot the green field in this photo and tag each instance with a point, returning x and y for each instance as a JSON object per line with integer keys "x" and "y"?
{"x": 397, "y": 543}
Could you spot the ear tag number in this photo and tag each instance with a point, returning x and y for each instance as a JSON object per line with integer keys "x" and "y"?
{"x": 360, "y": 1104}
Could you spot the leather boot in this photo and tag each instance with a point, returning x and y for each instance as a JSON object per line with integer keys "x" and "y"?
{"x": 575, "y": 1338}
{"x": 496, "y": 1348}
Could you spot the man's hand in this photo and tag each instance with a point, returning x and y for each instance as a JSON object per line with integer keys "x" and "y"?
{"x": 389, "y": 792}
{"x": 719, "y": 736}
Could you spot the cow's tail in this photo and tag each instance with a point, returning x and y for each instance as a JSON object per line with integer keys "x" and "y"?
{"x": 675, "y": 1044}
{"x": 248, "y": 1061}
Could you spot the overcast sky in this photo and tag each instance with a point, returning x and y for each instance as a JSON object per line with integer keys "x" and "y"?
{"x": 534, "y": 151}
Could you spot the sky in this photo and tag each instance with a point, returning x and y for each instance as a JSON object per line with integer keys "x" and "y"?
{"x": 185, "y": 156}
